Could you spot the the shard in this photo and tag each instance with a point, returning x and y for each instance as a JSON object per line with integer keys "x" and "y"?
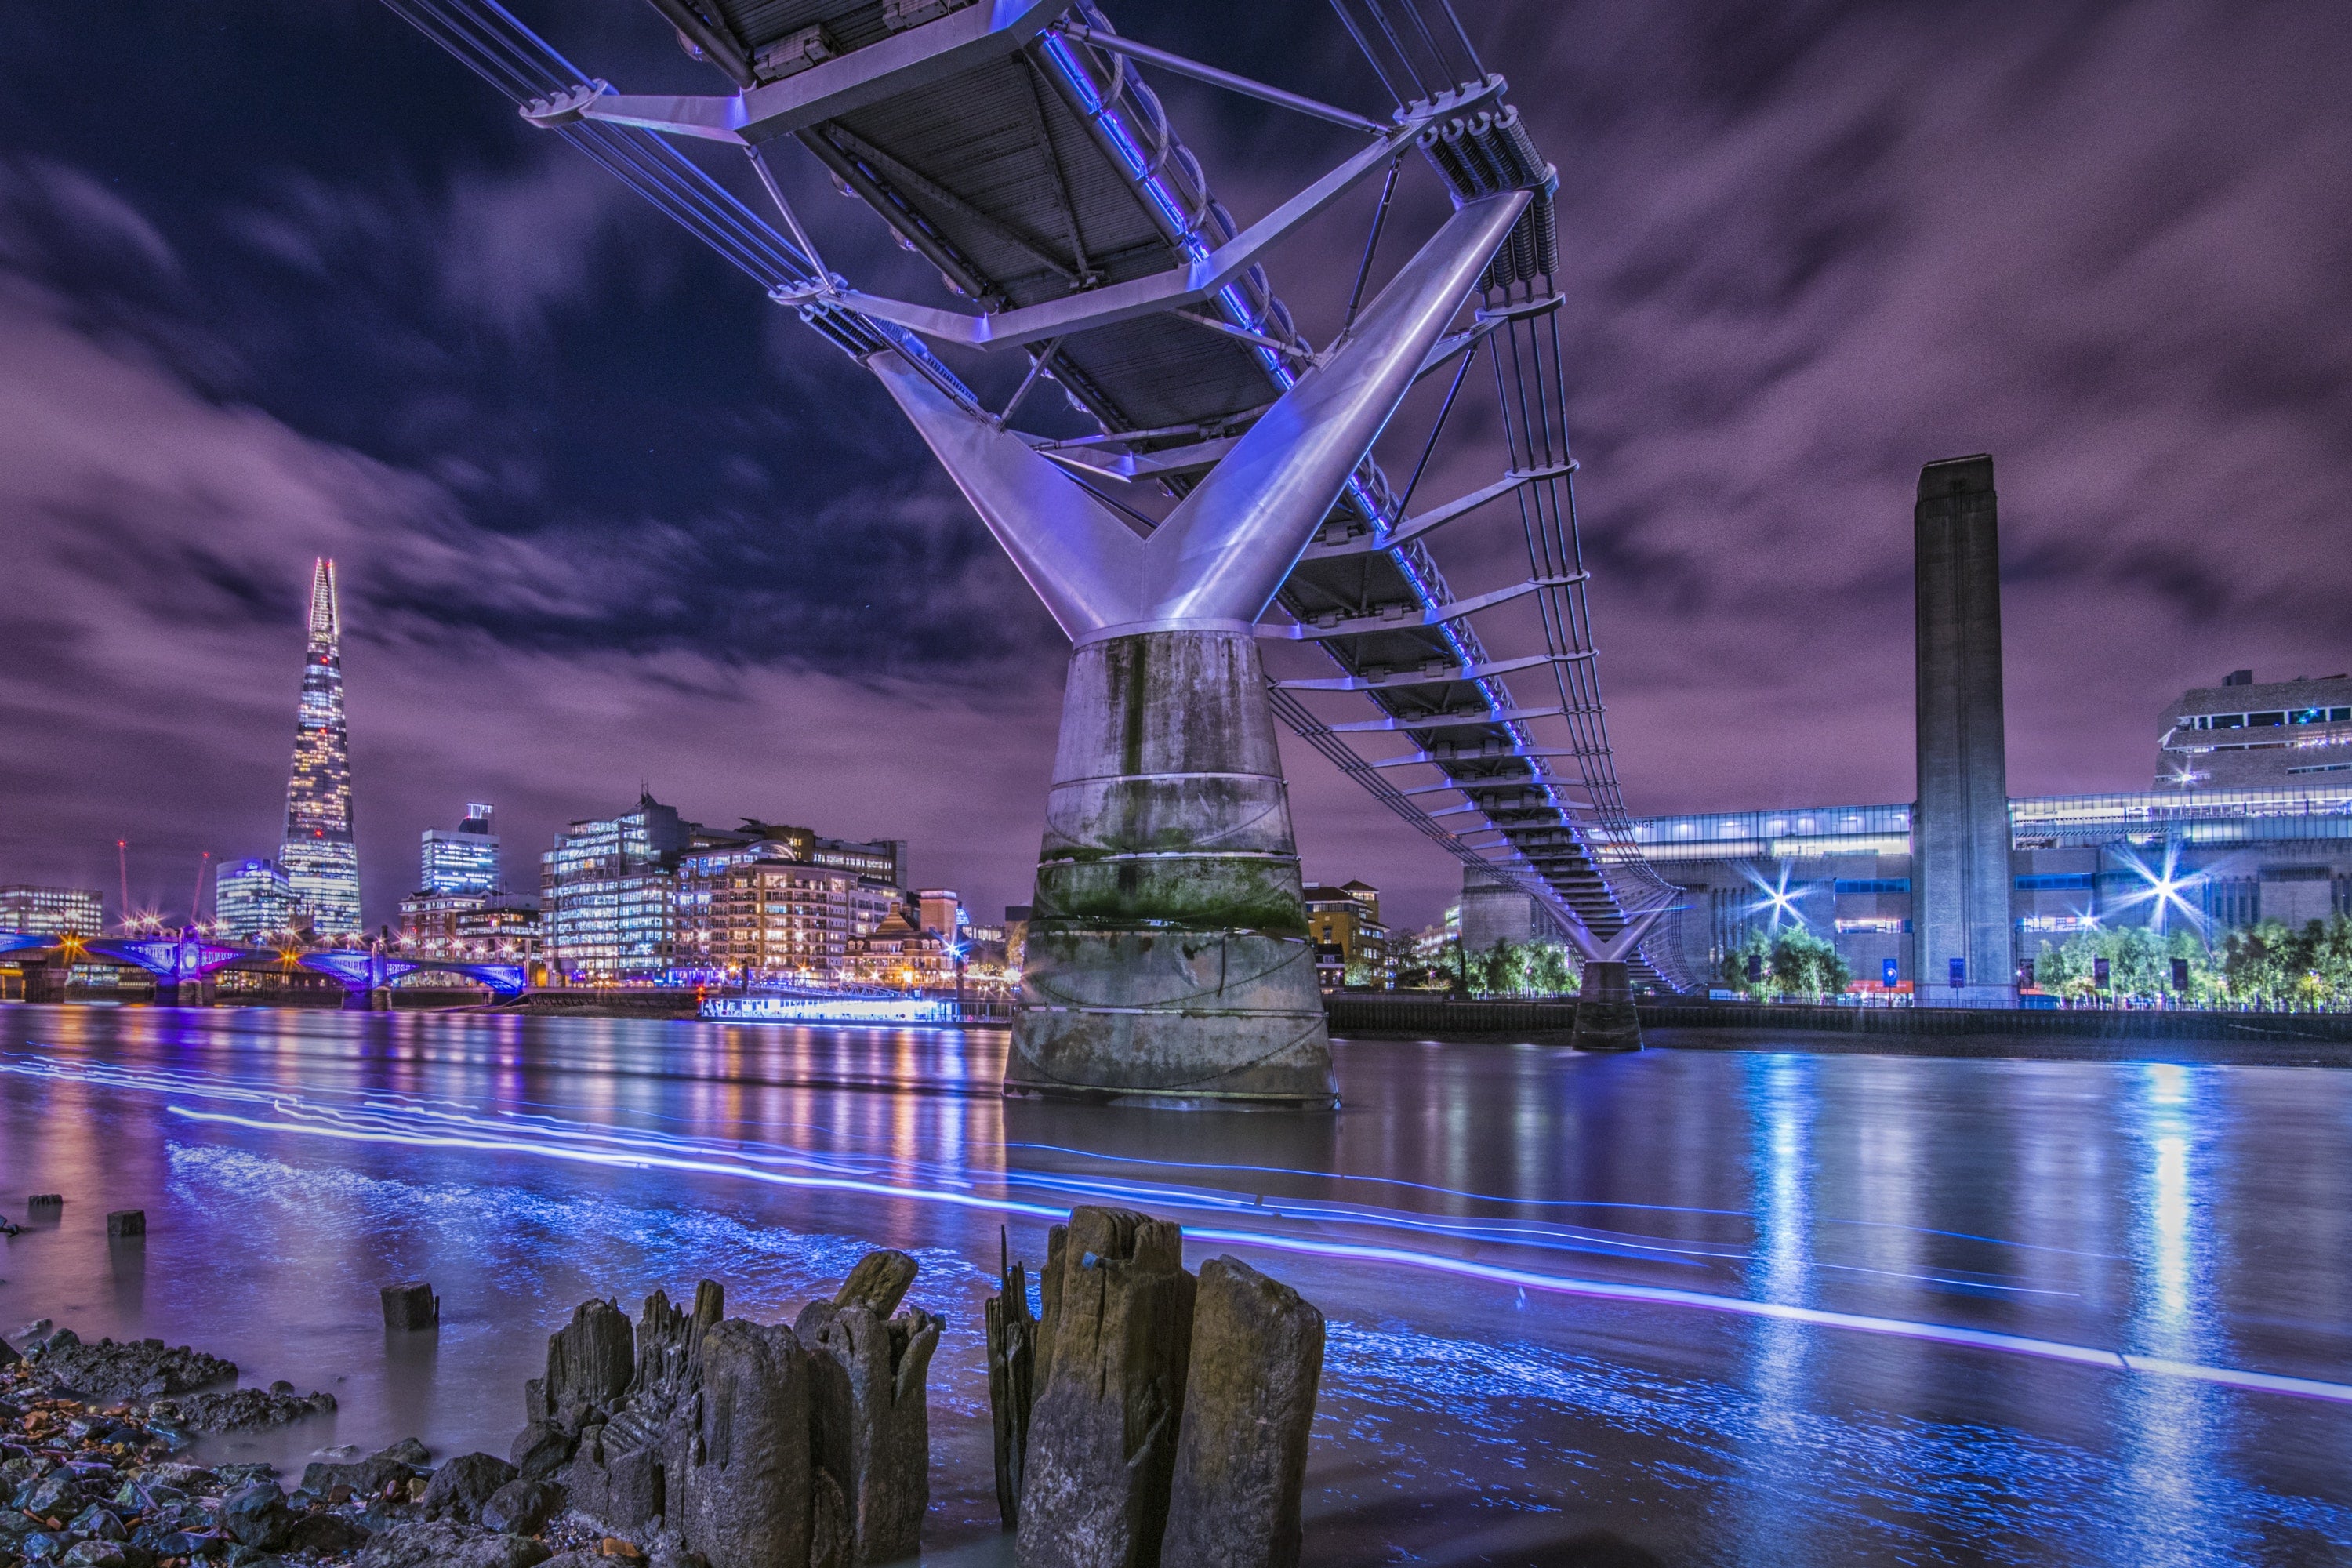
{"x": 320, "y": 859}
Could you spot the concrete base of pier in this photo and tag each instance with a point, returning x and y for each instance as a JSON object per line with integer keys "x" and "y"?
{"x": 46, "y": 982}
{"x": 371, "y": 999}
{"x": 1168, "y": 962}
{"x": 1605, "y": 1016}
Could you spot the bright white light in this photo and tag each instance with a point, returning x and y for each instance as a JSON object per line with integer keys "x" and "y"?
{"x": 1778, "y": 900}
{"x": 2167, "y": 887}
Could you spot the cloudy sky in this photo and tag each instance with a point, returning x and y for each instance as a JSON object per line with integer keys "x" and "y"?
{"x": 279, "y": 280}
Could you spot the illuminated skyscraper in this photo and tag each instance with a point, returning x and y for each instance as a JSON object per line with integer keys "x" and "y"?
{"x": 320, "y": 859}
{"x": 253, "y": 900}
{"x": 465, "y": 861}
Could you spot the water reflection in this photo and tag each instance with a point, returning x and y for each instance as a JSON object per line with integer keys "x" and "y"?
{"x": 2175, "y": 1431}
{"x": 1568, "y": 1295}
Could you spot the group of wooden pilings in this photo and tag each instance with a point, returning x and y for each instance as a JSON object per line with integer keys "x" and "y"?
{"x": 1149, "y": 1416}
{"x": 740, "y": 1444}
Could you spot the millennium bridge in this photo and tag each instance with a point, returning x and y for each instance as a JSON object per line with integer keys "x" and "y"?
{"x": 1219, "y": 509}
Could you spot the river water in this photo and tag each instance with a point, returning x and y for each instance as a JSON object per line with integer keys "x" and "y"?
{"x": 1730, "y": 1306}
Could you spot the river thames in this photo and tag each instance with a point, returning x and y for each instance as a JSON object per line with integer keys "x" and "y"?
{"x": 1733, "y": 1307}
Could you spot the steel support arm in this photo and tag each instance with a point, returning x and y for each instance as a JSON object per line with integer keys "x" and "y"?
{"x": 1437, "y": 673}
{"x": 1637, "y": 926}
{"x": 1227, "y": 547}
{"x": 1221, "y": 555}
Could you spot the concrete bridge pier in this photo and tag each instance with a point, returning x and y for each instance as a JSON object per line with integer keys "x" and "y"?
{"x": 367, "y": 999}
{"x": 1605, "y": 1016}
{"x": 194, "y": 991}
{"x": 1168, "y": 956}
{"x": 46, "y": 982}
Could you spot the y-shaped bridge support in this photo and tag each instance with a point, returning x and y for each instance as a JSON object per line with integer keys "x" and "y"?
{"x": 1606, "y": 1019}
{"x": 1167, "y": 958}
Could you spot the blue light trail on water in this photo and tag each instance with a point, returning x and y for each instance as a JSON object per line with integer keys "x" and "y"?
{"x": 423, "y": 1126}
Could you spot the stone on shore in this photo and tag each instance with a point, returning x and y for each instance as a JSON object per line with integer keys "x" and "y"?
{"x": 368, "y": 1478}
{"x": 620, "y": 1468}
{"x": 410, "y": 1308}
{"x": 460, "y": 1488}
{"x": 1102, "y": 1436}
{"x": 589, "y": 1362}
{"x": 522, "y": 1507}
{"x": 257, "y": 1515}
{"x": 107, "y": 1372}
{"x": 446, "y": 1545}
{"x": 1011, "y": 1383}
{"x": 542, "y": 1450}
{"x": 240, "y": 1409}
{"x": 741, "y": 1465}
{"x": 1249, "y": 1408}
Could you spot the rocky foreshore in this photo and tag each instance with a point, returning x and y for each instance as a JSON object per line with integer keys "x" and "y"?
{"x": 1149, "y": 1418}
{"x": 91, "y": 1439}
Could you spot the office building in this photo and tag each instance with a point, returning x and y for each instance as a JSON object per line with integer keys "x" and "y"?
{"x": 504, "y": 927}
{"x": 1351, "y": 946}
{"x": 607, "y": 895}
{"x": 880, "y": 861}
{"x": 650, "y": 896}
{"x": 470, "y": 926}
{"x": 253, "y": 901}
{"x": 465, "y": 861}
{"x": 2240, "y": 735}
{"x": 320, "y": 856}
{"x": 51, "y": 911}
{"x": 1960, "y": 828}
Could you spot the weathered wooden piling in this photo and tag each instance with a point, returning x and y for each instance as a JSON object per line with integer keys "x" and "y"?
{"x": 739, "y": 1460}
{"x": 1249, "y": 1408}
{"x": 1102, "y": 1439}
{"x": 1011, "y": 1378}
{"x": 409, "y": 1308}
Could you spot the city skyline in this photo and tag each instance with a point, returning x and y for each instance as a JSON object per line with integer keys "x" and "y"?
{"x": 558, "y": 601}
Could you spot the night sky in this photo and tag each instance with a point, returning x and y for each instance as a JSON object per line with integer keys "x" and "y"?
{"x": 283, "y": 279}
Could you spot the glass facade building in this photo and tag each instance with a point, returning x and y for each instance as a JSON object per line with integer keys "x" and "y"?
{"x": 608, "y": 905}
{"x": 465, "y": 861}
{"x": 320, "y": 857}
{"x": 649, "y": 896}
{"x": 253, "y": 900}
{"x": 51, "y": 911}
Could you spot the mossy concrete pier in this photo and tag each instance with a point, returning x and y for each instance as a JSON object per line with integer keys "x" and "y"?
{"x": 1168, "y": 959}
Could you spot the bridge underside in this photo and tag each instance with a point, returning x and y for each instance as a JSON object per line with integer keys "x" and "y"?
{"x": 1016, "y": 146}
